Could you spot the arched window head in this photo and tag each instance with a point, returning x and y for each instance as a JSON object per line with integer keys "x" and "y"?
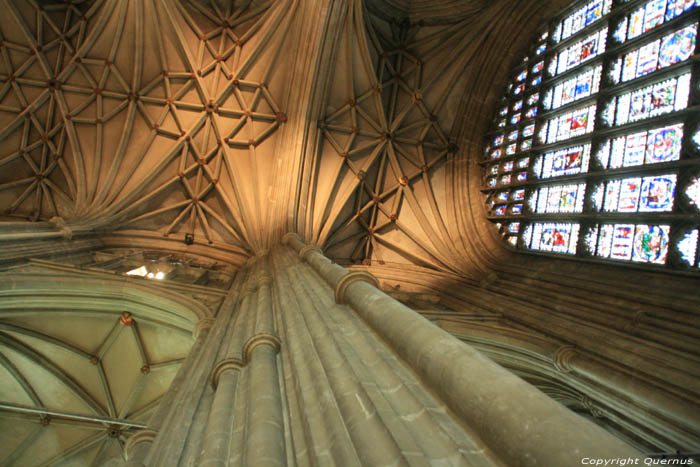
{"x": 594, "y": 151}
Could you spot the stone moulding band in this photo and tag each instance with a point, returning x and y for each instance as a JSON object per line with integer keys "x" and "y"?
{"x": 308, "y": 249}
{"x": 286, "y": 238}
{"x": 202, "y": 325}
{"x": 343, "y": 284}
{"x": 141, "y": 436}
{"x": 563, "y": 356}
{"x": 260, "y": 339}
{"x": 223, "y": 365}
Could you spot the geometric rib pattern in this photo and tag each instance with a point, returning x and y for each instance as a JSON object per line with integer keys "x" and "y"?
{"x": 103, "y": 365}
{"x": 35, "y": 134}
{"x": 165, "y": 116}
{"x": 147, "y": 115}
{"x": 379, "y": 190}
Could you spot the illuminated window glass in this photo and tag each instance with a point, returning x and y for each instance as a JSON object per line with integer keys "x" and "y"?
{"x": 599, "y": 156}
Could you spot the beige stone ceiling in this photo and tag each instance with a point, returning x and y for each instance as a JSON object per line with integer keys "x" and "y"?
{"x": 230, "y": 121}
{"x": 356, "y": 124}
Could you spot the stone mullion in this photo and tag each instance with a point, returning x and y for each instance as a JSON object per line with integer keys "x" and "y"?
{"x": 502, "y": 408}
{"x": 371, "y": 437}
{"x": 407, "y": 408}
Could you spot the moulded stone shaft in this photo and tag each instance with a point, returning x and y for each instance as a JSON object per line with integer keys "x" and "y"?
{"x": 265, "y": 441}
{"x": 641, "y": 391}
{"x": 439, "y": 446}
{"x": 372, "y": 438}
{"x": 217, "y": 435}
{"x": 515, "y": 419}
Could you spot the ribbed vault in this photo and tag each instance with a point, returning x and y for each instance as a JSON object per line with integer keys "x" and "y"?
{"x": 88, "y": 356}
{"x": 166, "y": 117}
{"x": 214, "y": 127}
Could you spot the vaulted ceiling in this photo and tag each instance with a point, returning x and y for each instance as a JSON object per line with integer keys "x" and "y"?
{"x": 357, "y": 124}
{"x": 237, "y": 121}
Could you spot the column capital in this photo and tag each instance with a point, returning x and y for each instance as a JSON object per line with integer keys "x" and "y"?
{"x": 562, "y": 357}
{"x": 61, "y": 225}
{"x": 260, "y": 339}
{"x": 348, "y": 279}
{"x": 286, "y": 238}
{"x": 204, "y": 324}
{"x": 141, "y": 436}
{"x": 224, "y": 365}
{"x": 303, "y": 253}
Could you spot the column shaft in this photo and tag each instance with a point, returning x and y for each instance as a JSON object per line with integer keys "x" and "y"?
{"x": 515, "y": 419}
{"x": 217, "y": 435}
{"x": 265, "y": 443}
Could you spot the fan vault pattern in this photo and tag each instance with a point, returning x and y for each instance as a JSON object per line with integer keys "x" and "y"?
{"x": 142, "y": 114}
{"x": 169, "y": 117}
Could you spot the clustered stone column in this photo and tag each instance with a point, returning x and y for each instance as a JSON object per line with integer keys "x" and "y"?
{"x": 309, "y": 364}
{"x": 521, "y": 424}
{"x": 265, "y": 441}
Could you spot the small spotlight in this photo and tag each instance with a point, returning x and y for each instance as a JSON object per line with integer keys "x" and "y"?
{"x": 189, "y": 239}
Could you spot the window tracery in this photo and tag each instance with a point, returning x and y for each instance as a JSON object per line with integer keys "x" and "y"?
{"x": 595, "y": 149}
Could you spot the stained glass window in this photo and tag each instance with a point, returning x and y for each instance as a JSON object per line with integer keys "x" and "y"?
{"x": 598, "y": 140}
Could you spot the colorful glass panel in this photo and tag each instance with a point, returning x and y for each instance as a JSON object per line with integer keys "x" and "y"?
{"x": 622, "y": 238}
{"x": 657, "y": 193}
{"x": 567, "y": 161}
{"x": 688, "y": 247}
{"x": 571, "y": 124}
{"x": 692, "y": 191}
{"x": 561, "y": 198}
{"x": 559, "y": 237}
{"x": 647, "y": 147}
{"x": 651, "y": 244}
{"x": 644, "y": 187}
{"x": 650, "y": 101}
{"x": 678, "y": 46}
{"x": 582, "y": 51}
{"x": 529, "y": 130}
{"x": 581, "y": 18}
